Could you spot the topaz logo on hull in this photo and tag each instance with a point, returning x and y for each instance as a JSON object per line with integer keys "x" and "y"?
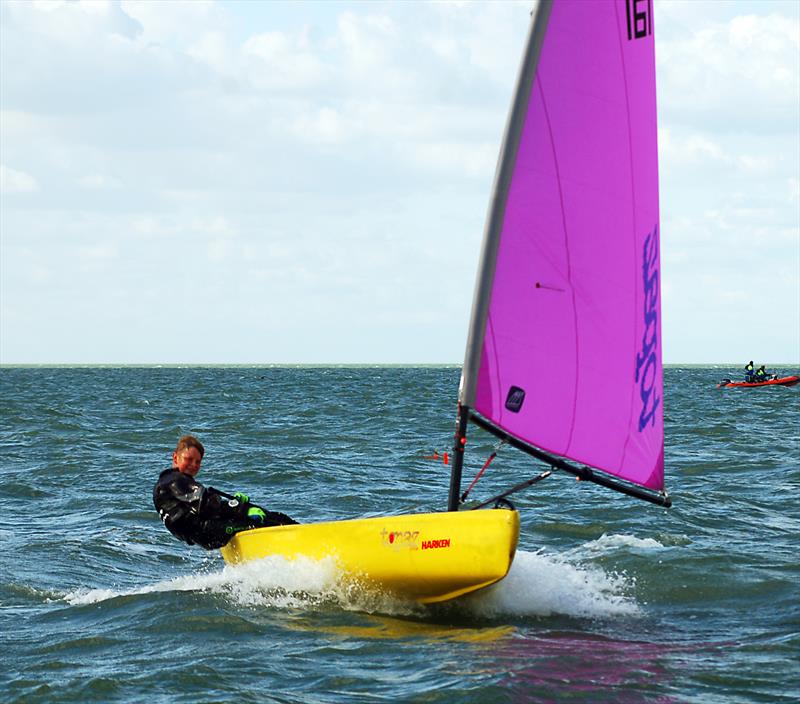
{"x": 400, "y": 539}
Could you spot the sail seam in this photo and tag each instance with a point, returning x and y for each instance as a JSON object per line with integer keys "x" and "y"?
{"x": 576, "y": 375}
{"x": 631, "y": 406}
{"x": 497, "y": 400}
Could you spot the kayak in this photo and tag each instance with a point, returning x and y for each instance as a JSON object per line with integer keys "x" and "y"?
{"x": 426, "y": 557}
{"x": 782, "y": 381}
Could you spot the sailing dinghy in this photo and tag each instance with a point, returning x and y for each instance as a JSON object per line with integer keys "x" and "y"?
{"x": 563, "y": 357}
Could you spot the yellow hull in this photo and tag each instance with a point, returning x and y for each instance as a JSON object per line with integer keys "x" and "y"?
{"x": 427, "y": 557}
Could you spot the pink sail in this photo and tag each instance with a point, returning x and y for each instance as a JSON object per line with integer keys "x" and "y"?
{"x": 565, "y": 343}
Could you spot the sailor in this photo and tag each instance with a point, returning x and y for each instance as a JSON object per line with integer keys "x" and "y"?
{"x": 761, "y": 374}
{"x": 748, "y": 371}
{"x": 202, "y": 515}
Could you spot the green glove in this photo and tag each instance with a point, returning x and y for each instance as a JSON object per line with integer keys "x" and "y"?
{"x": 256, "y": 514}
{"x": 241, "y": 498}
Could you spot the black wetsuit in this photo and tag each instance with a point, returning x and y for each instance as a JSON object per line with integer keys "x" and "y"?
{"x": 202, "y": 515}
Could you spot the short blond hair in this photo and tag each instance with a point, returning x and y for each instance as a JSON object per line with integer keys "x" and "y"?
{"x": 188, "y": 441}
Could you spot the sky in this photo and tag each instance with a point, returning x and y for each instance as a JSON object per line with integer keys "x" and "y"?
{"x": 299, "y": 183}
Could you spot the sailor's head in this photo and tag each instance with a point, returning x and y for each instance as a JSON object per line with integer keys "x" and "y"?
{"x": 188, "y": 455}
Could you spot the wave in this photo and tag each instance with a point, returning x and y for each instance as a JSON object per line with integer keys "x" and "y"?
{"x": 272, "y": 582}
{"x": 546, "y": 585}
{"x": 537, "y": 585}
{"x": 609, "y": 543}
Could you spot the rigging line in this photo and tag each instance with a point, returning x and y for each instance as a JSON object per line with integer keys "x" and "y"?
{"x": 483, "y": 469}
{"x": 514, "y": 489}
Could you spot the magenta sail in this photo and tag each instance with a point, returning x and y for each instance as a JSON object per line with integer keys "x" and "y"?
{"x": 565, "y": 341}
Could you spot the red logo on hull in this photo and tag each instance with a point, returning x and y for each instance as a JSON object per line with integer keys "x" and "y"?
{"x": 433, "y": 544}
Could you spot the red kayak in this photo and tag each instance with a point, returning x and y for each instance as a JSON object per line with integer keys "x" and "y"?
{"x": 782, "y": 381}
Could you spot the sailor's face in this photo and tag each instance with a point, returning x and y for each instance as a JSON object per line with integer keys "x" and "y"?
{"x": 187, "y": 460}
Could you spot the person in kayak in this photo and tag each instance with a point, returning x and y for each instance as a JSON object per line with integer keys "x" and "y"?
{"x": 749, "y": 374}
{"x": 203, "y": 515}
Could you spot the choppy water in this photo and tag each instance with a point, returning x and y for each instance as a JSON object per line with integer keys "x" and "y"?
{"x": 609, "y": 599}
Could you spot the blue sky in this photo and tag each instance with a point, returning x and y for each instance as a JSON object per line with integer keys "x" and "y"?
{"x": 244, "y": 182}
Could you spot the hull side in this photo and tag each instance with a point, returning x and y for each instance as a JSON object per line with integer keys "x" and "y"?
{"x": 427, "y": 557}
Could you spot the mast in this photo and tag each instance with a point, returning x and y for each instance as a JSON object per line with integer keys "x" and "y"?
{"x": 499, "y": 199}
{"x": 457, "y": 455}
{"x": 491, "y": 239}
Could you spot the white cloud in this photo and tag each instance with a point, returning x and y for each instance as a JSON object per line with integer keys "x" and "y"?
{"x": 98, "y": 182}
{"x": 282, "y": 60}
{"x": 465, "y": 158}
{"x": 175, "y": 24}
{"x": 13, "y": 181}
{"x": 99, "y": 251}
{"x": 366, "y": 41}
{"x": 174, "y": 225}
{"x": 217, "y": 226}
{"x": 40, "y": 276}
{"x": 325, "y": 125}
{"x": 213, "y": 49}
{"x": 96, "y": 257}
{"x": 689, "y": 149}
{"x": 218, "y": 250}
{"x": 794, "y": 189}
{"x": 69, "y": 23}
{"x": 742, "y": 71}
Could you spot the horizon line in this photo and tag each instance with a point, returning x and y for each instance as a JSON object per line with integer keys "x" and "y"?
{"x": 295, "y": 365}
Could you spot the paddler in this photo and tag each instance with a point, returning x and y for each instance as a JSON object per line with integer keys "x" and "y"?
{"x": 749, "y": 375}
{"x": 202, "y": 515}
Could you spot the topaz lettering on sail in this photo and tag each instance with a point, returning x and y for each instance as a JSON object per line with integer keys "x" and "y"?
{"x": 646, "y": 360}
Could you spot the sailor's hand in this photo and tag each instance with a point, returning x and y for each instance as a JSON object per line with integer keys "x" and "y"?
{"x": 241, "y": 497}
{"x": 256, "y": 514}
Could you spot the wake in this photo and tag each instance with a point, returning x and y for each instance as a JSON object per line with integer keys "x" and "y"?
{"x": 538, "y": 584}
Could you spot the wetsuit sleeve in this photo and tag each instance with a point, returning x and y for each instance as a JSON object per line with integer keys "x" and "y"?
{"x": 186, "y": 490}
{"x": 217, "y": 506}
{"x": 177, "y": 498}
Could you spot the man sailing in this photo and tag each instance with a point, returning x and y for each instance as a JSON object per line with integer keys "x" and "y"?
{"x": 203, "y": 515}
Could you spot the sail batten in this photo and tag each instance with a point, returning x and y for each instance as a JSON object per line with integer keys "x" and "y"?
{"x": 564, "y": 348}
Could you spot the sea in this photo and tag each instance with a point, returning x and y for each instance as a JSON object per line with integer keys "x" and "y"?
{"x": 609, "y": 599}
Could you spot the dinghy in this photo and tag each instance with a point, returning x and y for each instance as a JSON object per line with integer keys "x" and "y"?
{"x": 425, "y": 557}
{"x": 563, "y": 356}
{"x": 777, "y": 381}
